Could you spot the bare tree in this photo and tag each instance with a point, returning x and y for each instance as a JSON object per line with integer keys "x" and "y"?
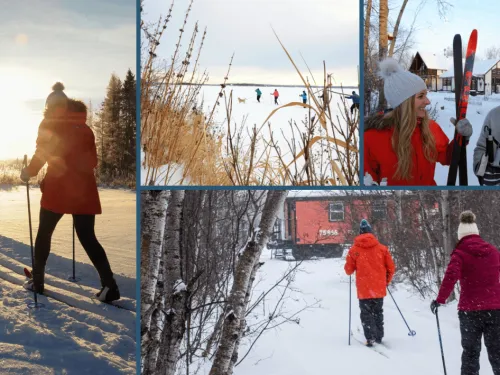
{"x": 154, "y": 205}
{"x": 236, "y": 307}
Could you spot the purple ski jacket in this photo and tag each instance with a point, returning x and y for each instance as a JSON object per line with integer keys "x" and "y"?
{"x": 476, "y": 264}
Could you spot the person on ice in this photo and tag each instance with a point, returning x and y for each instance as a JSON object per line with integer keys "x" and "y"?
{"x": 476, "y": 264}
{"x": 304, "y": 97}
{"x": 404, "y": 145}
{"x": 355, "y": 101}
{"x": 68, "y": 147}
{"x": 374, "y": 269}
{"x": 276, "y": 95}
{"x": 259, "y": 94}
{"x": 487, "y": 151}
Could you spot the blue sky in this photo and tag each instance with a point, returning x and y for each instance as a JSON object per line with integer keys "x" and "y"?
{"x": 319, "y": 29}
{"x": 435, "y": 34}
{"x": 80, "y": 43}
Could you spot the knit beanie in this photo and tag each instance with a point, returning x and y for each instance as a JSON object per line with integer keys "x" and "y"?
{"x": 56, "y": 96}
{"x": 399, "y": 84}
{"x": 364, "y": 227}
{"x": 467, "y": 225}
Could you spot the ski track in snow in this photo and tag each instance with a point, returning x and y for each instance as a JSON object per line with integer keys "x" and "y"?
{"x": 81, "y": 336}
{"x": 475, "y": 114}
{"x": 319, "y": 344}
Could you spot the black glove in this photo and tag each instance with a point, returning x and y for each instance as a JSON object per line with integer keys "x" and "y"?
{"x": 434, "y": 306}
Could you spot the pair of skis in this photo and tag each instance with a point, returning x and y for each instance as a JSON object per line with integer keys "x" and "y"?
{"x": 462, "y": 89}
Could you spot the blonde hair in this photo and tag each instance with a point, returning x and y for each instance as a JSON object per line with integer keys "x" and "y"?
{"x": 404, "y": 120}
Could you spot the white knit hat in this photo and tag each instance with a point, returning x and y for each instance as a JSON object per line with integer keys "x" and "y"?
{"x": 467, "y": 225}
{"x": 399, "y": 84}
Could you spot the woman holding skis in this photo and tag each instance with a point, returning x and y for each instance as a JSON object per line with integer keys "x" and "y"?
{"x": 68, "y": 147}
{"x": 404, "y": 145}
{"x": 476, "y": 264}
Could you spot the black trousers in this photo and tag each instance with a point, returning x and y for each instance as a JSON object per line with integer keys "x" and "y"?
{"x": 473, "y": 325}
{"x": 372, "y": 318}
{"x": 355, "y": 105}
{"x": 258, "y": 98}
{"x": 84, "y": 227}
{"x": 276, "y": 100}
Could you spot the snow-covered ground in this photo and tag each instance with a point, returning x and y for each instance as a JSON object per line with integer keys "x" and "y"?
{"x": 253, "y": 113}
{"x": 476, "y": 112}
{"x": 319, "y": 343}
{"x": 79, "y": 335}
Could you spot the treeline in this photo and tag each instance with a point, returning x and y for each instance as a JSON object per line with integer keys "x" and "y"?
{"x": 114, "y": 126}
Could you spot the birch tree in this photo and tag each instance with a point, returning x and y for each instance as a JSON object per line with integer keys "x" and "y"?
{"x": 154, "y": 205}
{"x": 236, "y": 307}
{"x": 175, "y": 288}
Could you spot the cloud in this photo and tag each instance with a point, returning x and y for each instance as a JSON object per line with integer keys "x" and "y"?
{"x": 319, "y": 29}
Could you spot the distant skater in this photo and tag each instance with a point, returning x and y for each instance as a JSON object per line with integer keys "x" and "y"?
{"x": 304, "y": 97}
{"x": 355, "y": 101}
{"x": 276, "y": 95}
{"x": 259, "y": 94}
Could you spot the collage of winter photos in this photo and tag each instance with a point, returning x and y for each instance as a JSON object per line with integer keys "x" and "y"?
{"x": 276, "y": 187}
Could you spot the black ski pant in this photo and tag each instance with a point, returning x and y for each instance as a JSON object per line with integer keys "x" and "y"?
{"x": 355, "y": 105}
{"x": 84, "y": 226}
{"x": 276, "y": 100}
{"x": 473, "y": 325}
{"x": 372, "y": 318}
{"x": 258, "y": 98}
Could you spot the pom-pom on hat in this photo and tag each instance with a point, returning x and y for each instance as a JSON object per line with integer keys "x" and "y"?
{"x": 57, "y": 96}
{"x": 399, "y": 84}
{"x": 364, "y": 227}
{"x": 467, "y": 224}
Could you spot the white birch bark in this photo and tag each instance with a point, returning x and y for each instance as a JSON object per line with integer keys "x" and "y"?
{"x": 236, "y": 302}
{"x": 154, "y": 205}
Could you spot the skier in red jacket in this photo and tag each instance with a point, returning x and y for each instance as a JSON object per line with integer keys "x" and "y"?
{"x": 68, "y": 147}
{"x": 403, "y": 145}
{"x": 476, "y": 264}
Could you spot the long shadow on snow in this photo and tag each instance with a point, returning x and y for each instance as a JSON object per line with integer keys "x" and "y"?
{"x": 63, "y": 267}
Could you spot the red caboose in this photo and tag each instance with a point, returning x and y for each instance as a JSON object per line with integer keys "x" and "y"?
{"x": 319, "y": 223}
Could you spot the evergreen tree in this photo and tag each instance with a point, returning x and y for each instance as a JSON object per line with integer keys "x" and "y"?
{"x": 128, "y": 122}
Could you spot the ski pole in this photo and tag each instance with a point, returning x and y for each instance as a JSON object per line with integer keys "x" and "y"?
{"x": 440, "y": 341}
{"x": 74, "y": 278}
{"x": 25, "y": 164}
{"x": 410, "y": 331}
{"x": 350, "y": 277}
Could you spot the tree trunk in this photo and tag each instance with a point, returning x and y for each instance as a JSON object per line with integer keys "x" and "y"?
{"x": 396, "y": 28}
{"x": 175, "y": 289}
{"x": 236, "y": 301}
{"x": 154, "y": 205}
{"x": 382, "y": 45}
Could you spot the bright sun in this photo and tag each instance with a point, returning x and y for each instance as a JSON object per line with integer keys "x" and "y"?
{"x": 19, "y": 123}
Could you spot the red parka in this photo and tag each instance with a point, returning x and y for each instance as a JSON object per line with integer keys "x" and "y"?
{"x": 380, "y": 159}
{"x": 68, "y": 147}
{"x": 476, "y": 264}
{"x": 373, "y": 265}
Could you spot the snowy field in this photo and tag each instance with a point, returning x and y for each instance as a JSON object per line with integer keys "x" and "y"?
{"x": 319, "y": 343}
{"x": 78, "y": 335}
{"x": 253, "y": 113}
{"x": 476, "y": 113}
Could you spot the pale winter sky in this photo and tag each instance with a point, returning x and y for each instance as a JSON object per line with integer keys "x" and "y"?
{"x": 435, "y": 34}
{"x": 80, "y": 43}
{"x": 318, "y": 29}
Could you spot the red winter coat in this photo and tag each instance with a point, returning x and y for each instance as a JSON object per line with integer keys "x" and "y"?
{"x": 380, "y": 160}
{"x": 373, "y": 265}
{"x": 68, "y": 147}
{"x": 476, "y": 264}
{"x": 276, "y": 93}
